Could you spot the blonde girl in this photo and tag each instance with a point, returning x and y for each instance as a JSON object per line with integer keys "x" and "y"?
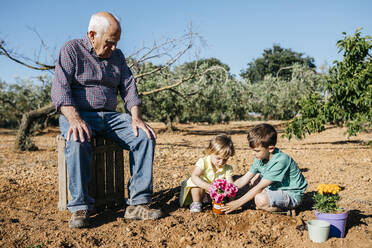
{"x": 207, "y": 169}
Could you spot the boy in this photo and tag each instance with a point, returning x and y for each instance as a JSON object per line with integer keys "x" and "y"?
{"x": 282, "y": 184}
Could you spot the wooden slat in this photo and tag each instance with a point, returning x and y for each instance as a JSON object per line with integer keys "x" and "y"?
{"x": 105, "y": 148}
{"x": 119, "y": 176}
{"x": 92, "y": 188}
{"x": 100, "y": 168}
{"x": 109, "y": 175}
{"x": 62, "y": 174}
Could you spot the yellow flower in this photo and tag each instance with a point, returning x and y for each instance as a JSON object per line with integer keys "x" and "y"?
{"x": 328, "y": 189}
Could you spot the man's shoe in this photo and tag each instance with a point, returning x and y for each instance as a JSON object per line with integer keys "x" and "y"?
{"x": 79, "y": 219}
{"x": 142, "y": 212}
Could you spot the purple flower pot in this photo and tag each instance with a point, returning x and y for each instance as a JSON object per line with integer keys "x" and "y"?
{"x": 337, "y": 221}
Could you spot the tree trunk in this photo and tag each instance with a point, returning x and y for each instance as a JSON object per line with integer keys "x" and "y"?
{"x": 23, "y": 141}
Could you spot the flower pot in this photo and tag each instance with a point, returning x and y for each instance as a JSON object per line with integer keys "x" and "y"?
{"x": 318, "y": 230}
{"x": 337, "y": 221}
{"x": 216, "y": 207}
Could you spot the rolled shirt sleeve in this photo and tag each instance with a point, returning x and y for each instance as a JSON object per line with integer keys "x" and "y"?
{"x": 128, "y": 89}
{"x": 64, "y": 74}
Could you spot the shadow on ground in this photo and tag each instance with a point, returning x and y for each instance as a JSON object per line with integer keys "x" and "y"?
{"x": 356, "y": 218}
{"x": 167, "y": 200}
{"x": 106, "y": 216}
{"x": 339, "y": 142}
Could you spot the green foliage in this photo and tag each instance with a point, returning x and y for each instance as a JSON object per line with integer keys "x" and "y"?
{"x": 20, "y": 98}
{"x": 311, "y": 114}
{"x": 211, "y": 96}
{"x": 347, "y": 98}
{"x": 165, "y": 105}
{"x": 275, "y": 61}
{"x": 326, "y": 203}
{"x": 278, "y": 98}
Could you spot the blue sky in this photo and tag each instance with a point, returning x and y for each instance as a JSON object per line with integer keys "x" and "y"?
{"x": 236, "y": 32}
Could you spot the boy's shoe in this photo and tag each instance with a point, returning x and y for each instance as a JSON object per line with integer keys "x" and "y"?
{"x": 196, "y": 207}
{"x": 79, "y": 219}
{"x": 142, "y": 212}
{"x": 290, "y": 212}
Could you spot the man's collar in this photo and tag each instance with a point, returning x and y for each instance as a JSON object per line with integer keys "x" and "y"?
{"x": 87, "y": 44}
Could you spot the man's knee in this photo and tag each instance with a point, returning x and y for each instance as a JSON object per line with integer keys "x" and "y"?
{"x": 142, "y": 136}
{"x": 78, "y": 150}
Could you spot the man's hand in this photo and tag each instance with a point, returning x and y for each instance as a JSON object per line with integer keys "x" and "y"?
{"x": 78, "y": 127}
{"x": 137, "y": 122}
{"x": 231, "y": 206}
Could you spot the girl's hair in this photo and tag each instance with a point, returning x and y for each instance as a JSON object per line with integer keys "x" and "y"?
{"x": 263, "y": 135}
{"x": 221, "y": 144}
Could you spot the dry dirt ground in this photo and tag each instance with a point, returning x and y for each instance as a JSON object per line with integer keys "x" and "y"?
{"x": 29, "y": 193}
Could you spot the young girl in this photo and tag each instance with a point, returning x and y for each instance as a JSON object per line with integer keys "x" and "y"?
{"x": 206, "y": 170}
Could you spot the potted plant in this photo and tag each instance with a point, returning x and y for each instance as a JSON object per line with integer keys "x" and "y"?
{"x": 221, "y": 191}
{"x": 327, "y": 208}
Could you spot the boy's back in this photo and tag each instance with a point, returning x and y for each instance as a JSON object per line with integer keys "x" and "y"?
{"x": 283, "y": 171}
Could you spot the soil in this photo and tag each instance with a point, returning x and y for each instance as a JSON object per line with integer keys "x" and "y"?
{"x": 29, "y": 216}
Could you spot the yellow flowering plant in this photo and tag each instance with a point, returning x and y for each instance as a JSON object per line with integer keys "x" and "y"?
{"x": 325, "y": 200}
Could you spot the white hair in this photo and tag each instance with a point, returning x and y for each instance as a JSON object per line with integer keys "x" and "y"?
{"x": 99, "y": 24}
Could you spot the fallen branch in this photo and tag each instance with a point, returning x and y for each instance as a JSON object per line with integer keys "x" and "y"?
{"x": 23, "y": 142}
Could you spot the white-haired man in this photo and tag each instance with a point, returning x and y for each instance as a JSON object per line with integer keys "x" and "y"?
{"x": 89, "y": 74}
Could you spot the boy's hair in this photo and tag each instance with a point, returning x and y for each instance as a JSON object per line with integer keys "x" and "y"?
{"x": 263, "y": 134}
{"x": 221, "y": 144}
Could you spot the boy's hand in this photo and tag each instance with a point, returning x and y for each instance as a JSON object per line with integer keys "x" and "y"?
{"x": 231, "y": 206}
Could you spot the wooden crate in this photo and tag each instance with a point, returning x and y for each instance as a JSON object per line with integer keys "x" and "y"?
{"x": 107, "y": 184}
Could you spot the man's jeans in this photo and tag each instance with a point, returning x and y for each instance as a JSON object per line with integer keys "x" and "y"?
{"x": 118, "y": 127}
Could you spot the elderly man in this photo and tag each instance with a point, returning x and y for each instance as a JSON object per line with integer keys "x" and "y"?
{"x": 88, "y": 76}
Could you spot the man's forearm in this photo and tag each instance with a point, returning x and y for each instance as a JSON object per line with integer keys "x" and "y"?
{"x": 136, "y": 113}
{"x": 70, "y": 113}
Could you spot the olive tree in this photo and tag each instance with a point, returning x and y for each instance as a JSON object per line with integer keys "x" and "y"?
{"x": 277, "y": 98}
{"x": 276, "y": 61}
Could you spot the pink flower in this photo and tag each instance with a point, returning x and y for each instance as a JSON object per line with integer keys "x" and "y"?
{"x": 221, "y": 190}
{"x": 220, "y": 198}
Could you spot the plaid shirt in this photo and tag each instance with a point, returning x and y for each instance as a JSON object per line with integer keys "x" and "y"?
{"x": 90, "y": 83}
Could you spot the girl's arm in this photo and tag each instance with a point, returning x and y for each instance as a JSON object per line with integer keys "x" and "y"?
{"x": 195, "y": 178}
{"x": 244, "y": 180}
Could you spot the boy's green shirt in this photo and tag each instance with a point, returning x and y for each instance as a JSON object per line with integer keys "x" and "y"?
{"x": 284, "y": 173}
